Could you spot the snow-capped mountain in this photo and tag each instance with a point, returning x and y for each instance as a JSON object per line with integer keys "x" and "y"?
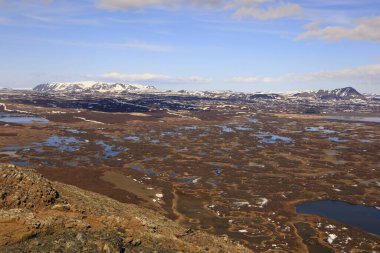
{"x": 347, "y": 93}
{"x": 90, "y": 86}
{"x": 337, "y": 94}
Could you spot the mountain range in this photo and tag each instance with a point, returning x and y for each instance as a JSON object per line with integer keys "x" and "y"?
{"x": 346, "y": 93}
{"x": 91, "y": 86}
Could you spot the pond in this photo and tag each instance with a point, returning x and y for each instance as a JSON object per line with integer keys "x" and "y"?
{"x": 356, "y": 118}
{"x": 227, "y": 129}
{"x": 265, "y": 137}
{"x": 319, "y": 129}
{"x": 363, "y": 217}
{"x": 336, "y": 139}
{"x": 20, "y": 163}
{"x": 70, "y": 144}
{"x": 132, "y": 138}
{"x": 22, "y": 120}
{"x": 108, "y": 150}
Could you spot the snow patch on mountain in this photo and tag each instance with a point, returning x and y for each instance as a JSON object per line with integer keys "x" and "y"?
{"x": 92, "y": 86}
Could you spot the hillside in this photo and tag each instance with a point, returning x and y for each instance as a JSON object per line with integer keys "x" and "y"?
{"x": 37, "y": 215}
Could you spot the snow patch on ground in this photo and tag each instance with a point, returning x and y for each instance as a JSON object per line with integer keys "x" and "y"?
{"x": 87, "y": 120}
{"x": 261, "y": 202}
{"x": 331, "y": 238}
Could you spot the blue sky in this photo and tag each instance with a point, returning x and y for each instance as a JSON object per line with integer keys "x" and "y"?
{"x": 243, "y": 45}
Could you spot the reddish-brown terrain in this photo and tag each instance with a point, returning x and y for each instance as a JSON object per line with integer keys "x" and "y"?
{"x": 234, "y": 172}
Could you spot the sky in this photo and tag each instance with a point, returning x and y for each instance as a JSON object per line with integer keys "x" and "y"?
{"x": 239, "y": 45}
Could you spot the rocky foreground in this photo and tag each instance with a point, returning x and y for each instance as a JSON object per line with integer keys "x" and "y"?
{"x": 37, "y": 215}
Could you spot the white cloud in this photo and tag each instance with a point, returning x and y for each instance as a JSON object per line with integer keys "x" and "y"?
{"x": 367, "y": 28}
{"x": 285, "y": 10}
{"x": 274, "y": 9}
{"x": 253, "y": 80}
{"x": 128, "y": 4}
{"x": 147, "y": 46}
{"x": 131, "y": 4}
{"x": 140, "y": 45}
{"x": 149, "y": 77}
{"x": 369, "y": 74}
{"x": 27, "y": 1}
{"x": 134, "y": 77}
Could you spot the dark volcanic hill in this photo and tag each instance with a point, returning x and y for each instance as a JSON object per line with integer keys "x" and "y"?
{"x": 337, "y": 94}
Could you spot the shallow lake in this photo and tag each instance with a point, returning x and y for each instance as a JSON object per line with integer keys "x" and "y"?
{"x": 356, "y": 118}
{"x": 23, "y": 120}
{"x": 269, "y": 138}
{"x": 363, "y": 217}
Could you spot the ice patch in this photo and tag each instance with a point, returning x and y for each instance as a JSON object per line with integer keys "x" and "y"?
{"x": 331, "y": 238}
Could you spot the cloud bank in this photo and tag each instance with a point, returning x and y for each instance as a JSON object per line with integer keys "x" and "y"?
{"x": 369, "y": 74}
{"x": 149, "y": 77}
{"x": 367, "y": 28}
{"x": 259, "y": 9}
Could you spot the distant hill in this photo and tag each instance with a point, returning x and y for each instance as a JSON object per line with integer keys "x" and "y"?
{"x": 337, "y": 94}
{"x": 346, "y": 93}
{"x": 90, "y": 86}
{"x": 264, "y": 96}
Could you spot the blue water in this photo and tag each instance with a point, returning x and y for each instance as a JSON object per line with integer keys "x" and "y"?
{"x": 20, "y": 163}
{"x": 218, "y": 171}
{"x": 63, "y": 143}
{"x": 58, "y": 142}
{"x": 363, "y": 217}
{"x": 15, "y": 148}
{"x": 189, "y": 128}
{"x": 152, "y": 140}
{"x": 319, "y": 129}
{"x": 136, "y": 167}
{"x": 214, "y": 182}
{"x": 227, "y": 129}
{"x": 243, "y": 128}
{"x": 151, "y": 172}
{"x": 132, "y": 138}
{"x": 23, "y": 120}
{"x": 272, "y": 139}
{"x": 356, "y": 118}
{"x": 336, "y": 139}
{"x": 172, "y": 174}
{"x": 108, "y": 149}
{"x": 75, "y": 131}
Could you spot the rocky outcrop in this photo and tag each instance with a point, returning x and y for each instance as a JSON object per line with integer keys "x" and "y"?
{"x": 25, "y": 189}
{"x": 37, "y": 215}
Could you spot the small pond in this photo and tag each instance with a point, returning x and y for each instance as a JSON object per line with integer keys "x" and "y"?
{"x": 265, "y": 137}
{"x": 319, "y": 129}
{"x": 22, "y": 120}
{"x": 356, "y": 118}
